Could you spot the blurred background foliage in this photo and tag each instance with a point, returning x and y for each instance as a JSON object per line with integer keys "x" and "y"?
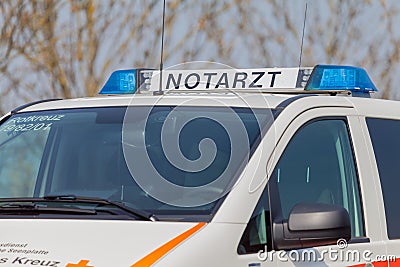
{"x": 68, "y": 48}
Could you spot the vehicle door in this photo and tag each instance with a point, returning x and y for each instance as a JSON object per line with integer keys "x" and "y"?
{"x": 321, "y": 158}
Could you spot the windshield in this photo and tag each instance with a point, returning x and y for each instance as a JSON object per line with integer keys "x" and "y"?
{"x": 80, "y": 152}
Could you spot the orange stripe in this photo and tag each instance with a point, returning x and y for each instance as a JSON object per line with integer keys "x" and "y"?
{"x": 375, "y": 264}
{"x": 395, "y": 263}
{"x": 167, "y": 247}
{"x": 380, "y": 264}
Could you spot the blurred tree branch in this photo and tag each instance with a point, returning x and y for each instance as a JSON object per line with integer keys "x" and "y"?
{"x": 67, "y": 48}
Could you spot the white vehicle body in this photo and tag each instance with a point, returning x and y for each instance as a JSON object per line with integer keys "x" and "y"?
{"x": 73, "y": 239}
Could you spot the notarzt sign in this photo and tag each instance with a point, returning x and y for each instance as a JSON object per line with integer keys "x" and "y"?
{"x": 230, "y": 79}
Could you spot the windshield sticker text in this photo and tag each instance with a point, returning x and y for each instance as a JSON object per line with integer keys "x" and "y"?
{"x": 27, "y": 127}
{"x": 31, "y": 123}
{"x": 37, "y": 118}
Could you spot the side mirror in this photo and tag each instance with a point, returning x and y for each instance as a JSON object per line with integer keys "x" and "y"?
{"x": 312, "y": 224}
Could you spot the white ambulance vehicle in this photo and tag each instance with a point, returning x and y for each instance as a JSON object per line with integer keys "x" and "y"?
{"x": 238, "y": 168}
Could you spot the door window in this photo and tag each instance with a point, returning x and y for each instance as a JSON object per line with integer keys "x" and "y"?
{"x": 317, "y": 166}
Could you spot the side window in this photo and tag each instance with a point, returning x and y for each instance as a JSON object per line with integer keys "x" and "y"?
{"x": 318, "y": 166}
{"x": 386, "y": 143}
{"x": 257, "y": 236}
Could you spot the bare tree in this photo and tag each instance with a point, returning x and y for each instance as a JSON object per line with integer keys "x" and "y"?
{"x": 51, "y": 48}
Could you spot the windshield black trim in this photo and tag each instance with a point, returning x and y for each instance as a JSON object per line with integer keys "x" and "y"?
{"x": 16, "y": 110}
{"x": 281, "y": 106}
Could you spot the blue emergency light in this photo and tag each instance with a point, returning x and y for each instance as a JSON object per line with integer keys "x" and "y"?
{"x": 121, "y": 82}
{"x": 331, "y": 77}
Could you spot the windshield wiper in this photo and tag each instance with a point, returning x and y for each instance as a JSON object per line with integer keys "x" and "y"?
{"x": 34, "y": 208}
{"x": 75, "y": 199}
{"x": 93, "y": 200}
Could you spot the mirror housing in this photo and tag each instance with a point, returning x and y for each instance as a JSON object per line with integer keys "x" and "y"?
{"x": 311, "y": 224}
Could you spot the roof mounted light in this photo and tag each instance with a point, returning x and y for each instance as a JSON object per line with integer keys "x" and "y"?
{"x": 126, "y": 81}
{"x": 120, "y": 82}
{"x": 331, "y": 77}
{"x": 353, "y": 80}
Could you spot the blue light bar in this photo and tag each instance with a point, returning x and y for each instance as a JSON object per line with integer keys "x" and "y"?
{"x": 330, "y": 77}
{"x": 121, "y": 82}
